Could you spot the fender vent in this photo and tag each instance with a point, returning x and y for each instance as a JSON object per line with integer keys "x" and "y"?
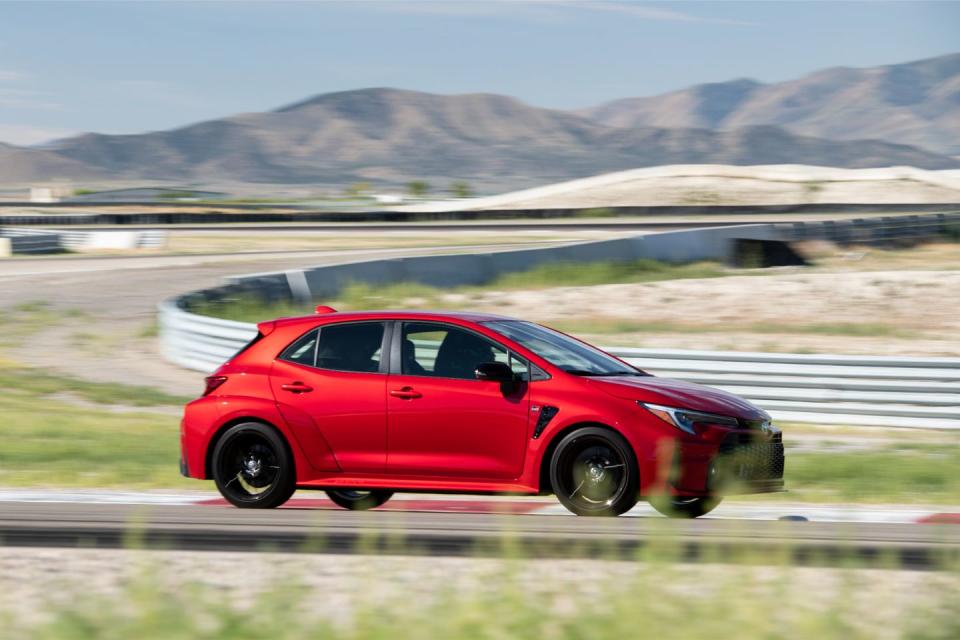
{"x": 547, "y": 412}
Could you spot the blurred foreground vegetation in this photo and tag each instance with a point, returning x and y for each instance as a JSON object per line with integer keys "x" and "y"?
{"x": 651, "y": 599}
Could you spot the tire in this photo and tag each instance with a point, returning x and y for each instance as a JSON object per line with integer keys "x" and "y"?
{"x": 253, "y": 467}
{"x": 685, "y": 507}
{"x": 594, "y": 472}
{"x": 359, "y": 500}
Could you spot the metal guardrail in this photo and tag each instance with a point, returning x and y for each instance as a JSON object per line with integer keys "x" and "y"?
{"x": 32, "y": 241}
{"x": 837, "y": 389}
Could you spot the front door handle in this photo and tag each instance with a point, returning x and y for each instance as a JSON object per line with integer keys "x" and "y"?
{"x": 406, "y": 393}
{"x": 296, "y": 387}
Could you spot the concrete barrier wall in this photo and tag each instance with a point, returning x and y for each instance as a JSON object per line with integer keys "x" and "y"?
{"x": 472, "y": 269}
{"x": 295, "y": 213}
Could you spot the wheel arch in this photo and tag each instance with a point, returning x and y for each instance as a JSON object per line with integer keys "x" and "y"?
{"x": 226, "y": 426}
{"x": 545, "y": 486}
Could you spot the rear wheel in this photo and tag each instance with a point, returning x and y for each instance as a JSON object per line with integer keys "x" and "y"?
{"x": 594, "y": 473}
{"x": 253, "y": 468}
{"x": 685, "y": 507}
{"x": 359, "y": 500}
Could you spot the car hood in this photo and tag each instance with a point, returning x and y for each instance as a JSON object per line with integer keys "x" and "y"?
{"x": 677, "y": 393}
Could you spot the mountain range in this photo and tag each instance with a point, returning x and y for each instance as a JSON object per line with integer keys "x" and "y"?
{"x": 916, "y": 103}
{"x": 905, "y": 114}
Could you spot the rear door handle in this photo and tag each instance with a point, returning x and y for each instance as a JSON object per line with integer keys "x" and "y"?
{"x": 407, "y": 393}
{"x": 296, "y": 387}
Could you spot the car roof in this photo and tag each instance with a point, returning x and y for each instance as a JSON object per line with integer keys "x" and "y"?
{"x": 469, "y": 316}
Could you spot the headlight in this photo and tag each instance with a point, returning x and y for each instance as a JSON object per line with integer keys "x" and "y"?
{"x": 685, "y": 419}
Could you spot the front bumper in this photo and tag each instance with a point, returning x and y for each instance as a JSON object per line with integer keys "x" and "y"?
{"x": 744, "y": 462}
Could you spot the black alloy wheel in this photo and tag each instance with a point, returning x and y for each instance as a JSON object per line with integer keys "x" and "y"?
{"x": 253, "y": 468}
{"x": 593, "y": 472}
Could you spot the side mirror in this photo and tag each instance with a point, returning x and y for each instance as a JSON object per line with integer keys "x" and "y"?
{"x": 494, "y": 372}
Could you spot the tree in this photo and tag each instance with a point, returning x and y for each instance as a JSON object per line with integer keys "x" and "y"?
{"x": 418, "y": 188}
{"x": 461, "y": 190}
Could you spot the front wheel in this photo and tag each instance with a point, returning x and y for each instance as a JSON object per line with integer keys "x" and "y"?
{"x": 253, "y": 468}
{"x": 593, "y": 472}
{"x": 685, "y": 507}
{"x": 359, "y": 500}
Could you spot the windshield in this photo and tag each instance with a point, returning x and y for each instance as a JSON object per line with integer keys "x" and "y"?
{"x": 562, "y": 351}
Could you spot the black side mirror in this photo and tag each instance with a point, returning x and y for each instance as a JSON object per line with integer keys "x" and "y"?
{"x": 494, "y": 372}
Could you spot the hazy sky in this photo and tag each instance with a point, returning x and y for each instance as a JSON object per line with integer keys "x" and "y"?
{"x": 135, "y": 66}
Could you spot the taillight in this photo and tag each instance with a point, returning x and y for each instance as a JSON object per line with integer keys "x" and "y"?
{"x": 213, "y": 382}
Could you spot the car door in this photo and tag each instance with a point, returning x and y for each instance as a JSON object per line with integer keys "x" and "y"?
{"x": 442, "y": 421}
{"x": 335, "y": 377}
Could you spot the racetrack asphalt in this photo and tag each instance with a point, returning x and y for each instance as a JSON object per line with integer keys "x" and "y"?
{"x": 490, "y": 527}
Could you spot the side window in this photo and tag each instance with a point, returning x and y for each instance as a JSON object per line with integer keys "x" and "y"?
{"x": 303, "y": 350}
{"x": 519, "y": 366}
{"x": 448, "y": 352}
{"x": 350, "y": 347}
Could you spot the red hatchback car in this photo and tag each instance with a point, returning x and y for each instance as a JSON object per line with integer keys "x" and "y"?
{"x": 361, "y": 405}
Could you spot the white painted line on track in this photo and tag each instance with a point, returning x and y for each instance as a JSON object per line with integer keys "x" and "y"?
{"x": 892, "y": 513}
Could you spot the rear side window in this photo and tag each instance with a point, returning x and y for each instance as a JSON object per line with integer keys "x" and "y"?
{"x": 351, "y": 347}
{"x": 303, "y": 350}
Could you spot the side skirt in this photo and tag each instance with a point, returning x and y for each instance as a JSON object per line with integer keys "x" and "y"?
{"x": 417, "y": 485}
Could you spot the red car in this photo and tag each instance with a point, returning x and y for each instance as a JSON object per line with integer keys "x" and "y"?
{"x": 364, "y": 404}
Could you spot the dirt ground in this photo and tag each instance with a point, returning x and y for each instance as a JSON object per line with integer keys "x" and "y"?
{"x": 913, "y": 312}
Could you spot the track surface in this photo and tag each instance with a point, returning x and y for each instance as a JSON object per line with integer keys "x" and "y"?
{"x": 424, "y": 531}
{"x": 412, "y": 227}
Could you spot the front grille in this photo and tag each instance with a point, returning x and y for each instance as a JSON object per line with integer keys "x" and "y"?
{"x": 744, "y": 458}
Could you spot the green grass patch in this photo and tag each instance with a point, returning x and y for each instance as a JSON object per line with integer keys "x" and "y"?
{"x": 150, "y": 330}
{"x": 894, "y": 474}
{"x": 855, "y": 329}
{"x": 19, "y": 321}
{"x": 246, "y": 308}
{"x": 570, "y": 274}
{"x": 52, "y": 443}
{"x": 37, "y": 384}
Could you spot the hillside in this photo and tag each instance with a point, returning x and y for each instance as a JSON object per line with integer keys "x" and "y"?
{"x": 709, "y": 185}
{"x": 915, "y": 103}
{"x": 391, "y": 136}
